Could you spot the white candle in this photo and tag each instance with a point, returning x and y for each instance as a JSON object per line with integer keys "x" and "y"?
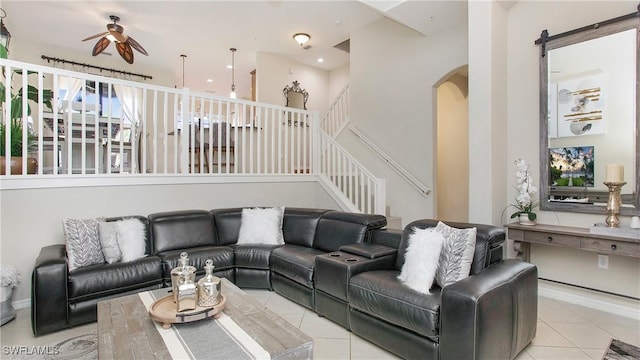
{"x": 615, "y": 173}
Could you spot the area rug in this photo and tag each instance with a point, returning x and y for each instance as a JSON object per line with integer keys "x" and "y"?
{"x": 619, "y": 350}
{"x": 83, "y": 347}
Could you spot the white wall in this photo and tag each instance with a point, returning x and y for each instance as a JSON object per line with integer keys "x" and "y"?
{"x": 526, "y": 19}
{"x": 274, "y": 72}
{"x": 338, "y": 79}
{"x": 394, "y": 72}
{"x": 31, "y": 219}
{"x": 487, "y": 111}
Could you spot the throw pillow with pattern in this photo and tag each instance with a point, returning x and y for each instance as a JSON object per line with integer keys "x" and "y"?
{"x": 457, "y": 253}
{"x": 82, "y": 242}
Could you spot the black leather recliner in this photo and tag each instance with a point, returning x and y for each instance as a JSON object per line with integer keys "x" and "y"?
{"x": 492, "y": 314}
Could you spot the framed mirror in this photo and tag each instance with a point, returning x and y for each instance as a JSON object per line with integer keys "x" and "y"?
{"x": 295, "y": 96}
{"x": 589, "y": 115}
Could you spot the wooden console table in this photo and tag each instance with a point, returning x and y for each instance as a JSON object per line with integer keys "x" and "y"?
{"x": 572, "y": 237}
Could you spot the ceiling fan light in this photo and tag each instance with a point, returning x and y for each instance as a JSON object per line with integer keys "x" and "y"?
{"x": 111, "y": 38}
{"x": 301, "y": 38}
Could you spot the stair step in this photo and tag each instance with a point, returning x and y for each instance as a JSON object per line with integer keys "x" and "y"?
{"x": 394, "y": 222}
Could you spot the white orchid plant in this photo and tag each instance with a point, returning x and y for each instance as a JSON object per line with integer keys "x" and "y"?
{"x": 525, "y": 202}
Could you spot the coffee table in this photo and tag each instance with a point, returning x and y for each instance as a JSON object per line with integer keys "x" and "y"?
{"x": 246, "y": 330}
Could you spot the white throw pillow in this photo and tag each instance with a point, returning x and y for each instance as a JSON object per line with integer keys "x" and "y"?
{"x": 109, "y": 241}
{"x": 457, "y": 253}
{"x": 82, "y": 242}
{"x": 261, "y": 226}
{"x": 421, "y": 259}
{"x": 131, "y": 238}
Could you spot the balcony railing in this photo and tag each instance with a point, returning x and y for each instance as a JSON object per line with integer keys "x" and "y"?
{"x": 103, "y": 127}
{"x": 159, "y": 130}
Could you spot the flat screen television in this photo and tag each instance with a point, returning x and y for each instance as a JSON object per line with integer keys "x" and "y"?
{"x": 571, "y": 166}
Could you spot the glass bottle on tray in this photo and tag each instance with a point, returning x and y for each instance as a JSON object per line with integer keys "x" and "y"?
{"x": 209, "y": 287}
{"x": 180, "y": 274}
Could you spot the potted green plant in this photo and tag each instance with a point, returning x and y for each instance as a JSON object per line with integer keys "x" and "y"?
{"x": 14, "y": 123}
{"x": 525, "y": 203}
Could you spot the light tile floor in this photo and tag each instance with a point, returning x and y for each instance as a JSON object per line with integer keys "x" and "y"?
{"x": 565, "y": 331}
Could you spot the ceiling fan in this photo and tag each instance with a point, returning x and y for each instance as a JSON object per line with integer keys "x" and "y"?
{"x": 124, "y": 43}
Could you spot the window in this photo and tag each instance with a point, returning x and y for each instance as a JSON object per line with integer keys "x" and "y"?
{"x": 107, "y": 103}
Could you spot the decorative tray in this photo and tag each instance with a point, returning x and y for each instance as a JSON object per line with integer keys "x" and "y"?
{"x": 164, "y": 311}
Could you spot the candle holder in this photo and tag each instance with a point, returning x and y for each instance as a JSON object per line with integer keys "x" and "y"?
{"x": 613, "y": 205}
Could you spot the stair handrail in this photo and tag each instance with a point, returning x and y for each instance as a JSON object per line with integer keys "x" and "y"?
{"x": 394, "y": 165}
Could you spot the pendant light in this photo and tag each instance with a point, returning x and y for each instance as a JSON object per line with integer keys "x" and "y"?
{"x": 179, "y": 125}
{"x": 183, "y": 57}
{"x": 233, "y": 71}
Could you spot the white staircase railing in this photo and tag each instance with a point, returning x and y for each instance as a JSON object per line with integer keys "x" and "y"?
{"x": 337, "y": 117}
{"x": 357, "y": 185}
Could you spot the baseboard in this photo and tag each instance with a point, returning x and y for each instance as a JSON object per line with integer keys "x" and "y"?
{"x": 21, "y": 304}
{"x": 592, "y": 299}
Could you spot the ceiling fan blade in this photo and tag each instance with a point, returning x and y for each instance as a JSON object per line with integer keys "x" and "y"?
{"x": 100, "y": 46}
{"x": 96, "y": 36}
{"x": 136, "y": 46}
{"x": 118, "y": 35}
{"x": 124, "y": 49}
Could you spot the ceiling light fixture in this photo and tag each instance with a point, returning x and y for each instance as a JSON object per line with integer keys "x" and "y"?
{"x": 301, "y": 38}
{"x": 233, "y": 71}
{"x": 5, "y": 35}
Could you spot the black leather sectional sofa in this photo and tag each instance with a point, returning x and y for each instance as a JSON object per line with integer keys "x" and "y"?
{"x": 344, "y": 266}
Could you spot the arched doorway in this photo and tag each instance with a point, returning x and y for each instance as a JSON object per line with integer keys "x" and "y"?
{"x": 452, "y": 147}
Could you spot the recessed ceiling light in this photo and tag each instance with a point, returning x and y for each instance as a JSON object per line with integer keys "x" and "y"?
{"x": 320, "y": 60}
{"x": 229, "y": 66}
{"x": 209, "y": 80}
